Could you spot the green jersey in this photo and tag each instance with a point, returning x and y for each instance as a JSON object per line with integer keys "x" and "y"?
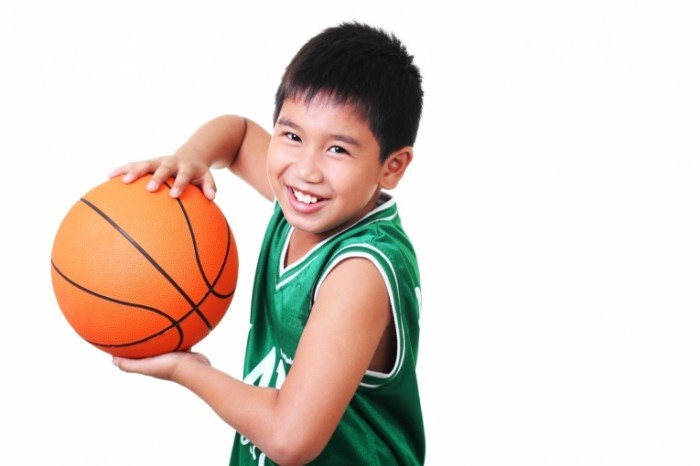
{"x": 383, "y": 423}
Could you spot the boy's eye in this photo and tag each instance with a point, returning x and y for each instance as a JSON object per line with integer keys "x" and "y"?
{"x": 338, "y": 150}
{"x": 292, "y": 137}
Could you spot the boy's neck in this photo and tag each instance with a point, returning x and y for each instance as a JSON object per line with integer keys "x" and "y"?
{"x": 301, "y": 242}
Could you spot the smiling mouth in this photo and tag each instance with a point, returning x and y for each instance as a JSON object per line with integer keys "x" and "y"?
{"x": 305, "y": 198}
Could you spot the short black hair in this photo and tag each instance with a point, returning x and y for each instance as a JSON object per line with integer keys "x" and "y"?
{"x": 366, "y": 67}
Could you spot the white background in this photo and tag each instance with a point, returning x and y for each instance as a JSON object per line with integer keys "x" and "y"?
{"x": 553, "y": 202}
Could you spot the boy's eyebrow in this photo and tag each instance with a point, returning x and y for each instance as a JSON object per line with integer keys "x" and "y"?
{"x": 340, "y": 137}
{"x": 287, "y": 122}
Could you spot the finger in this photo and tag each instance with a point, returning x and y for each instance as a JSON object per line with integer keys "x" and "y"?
{"x": 165, "y": 170}
{"x": 132, "y": 365}
{"x": 135, "y": 170}
{"x": 190, "y": 173}
{"x": 206, "y": 183}
{"x": 208, "y": 186}
{"x": 131, "y": 171}
{"x": 119, "y": 171}
{"x": 121, "y": 363}
{"x": 182, "y": 179}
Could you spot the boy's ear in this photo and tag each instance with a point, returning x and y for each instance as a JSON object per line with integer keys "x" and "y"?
{"x": 395, "y": 166}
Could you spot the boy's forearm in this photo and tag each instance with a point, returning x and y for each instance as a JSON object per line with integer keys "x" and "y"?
{"x": 217, "y": 142}
{"x": 236, "y": 143}
{"x": 240, "y": 405}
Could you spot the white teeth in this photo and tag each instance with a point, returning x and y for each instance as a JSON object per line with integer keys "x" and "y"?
{"x": 305, "y": 198}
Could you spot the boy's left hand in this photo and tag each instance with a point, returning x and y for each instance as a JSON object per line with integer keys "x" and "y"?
{"x": 163, "y": 366}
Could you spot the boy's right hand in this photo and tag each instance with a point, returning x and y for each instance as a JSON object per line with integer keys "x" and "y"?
{"x": 185, "y": 170}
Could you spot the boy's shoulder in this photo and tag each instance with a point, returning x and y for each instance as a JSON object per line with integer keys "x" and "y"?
{"x": 379, "y": 235}
{"x": 380, "y": 232}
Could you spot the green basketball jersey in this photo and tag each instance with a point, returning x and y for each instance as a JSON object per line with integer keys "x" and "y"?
{"x": 383, "y": 423}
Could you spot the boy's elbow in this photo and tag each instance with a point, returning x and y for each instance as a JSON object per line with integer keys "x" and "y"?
{"x": 291, "y": 448}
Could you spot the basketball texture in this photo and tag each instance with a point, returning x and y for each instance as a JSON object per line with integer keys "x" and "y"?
{"x": 138, "y": 274}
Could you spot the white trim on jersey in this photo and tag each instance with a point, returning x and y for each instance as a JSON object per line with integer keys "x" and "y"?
{"x": 400, "y": 338}
{"x": 291, "y": 277}
{"x": 388, "y": 202}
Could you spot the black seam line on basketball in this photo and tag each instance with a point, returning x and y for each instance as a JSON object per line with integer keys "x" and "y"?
{"x": 173, "y": 322}
{"x": 193, "y": 238}
{"x": 148, "y": 257}
{"x": 223, "y": 267}
{"x": 204, "y": 298}
{"x": 196, "y": 255}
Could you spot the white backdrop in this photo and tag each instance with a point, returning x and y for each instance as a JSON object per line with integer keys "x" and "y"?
{"x": 553, "y": 202}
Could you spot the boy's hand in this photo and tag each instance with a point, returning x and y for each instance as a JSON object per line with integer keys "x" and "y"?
{"x": 185, "y": 170}
{"x": 164, "y": 366}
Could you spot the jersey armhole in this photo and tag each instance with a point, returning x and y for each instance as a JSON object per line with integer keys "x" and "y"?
{"x": 374, "y": 379}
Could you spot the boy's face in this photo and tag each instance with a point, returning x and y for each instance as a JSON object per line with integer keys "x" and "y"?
{"x": 323, "y": 165}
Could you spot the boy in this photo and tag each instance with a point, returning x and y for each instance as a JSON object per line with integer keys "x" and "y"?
{"x": 329, "y": 373}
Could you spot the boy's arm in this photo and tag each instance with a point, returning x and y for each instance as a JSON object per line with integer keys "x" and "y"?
{"x": 293, "y": 425}
{"x": 349, "y": 317}
{"x": 226, "y": 141}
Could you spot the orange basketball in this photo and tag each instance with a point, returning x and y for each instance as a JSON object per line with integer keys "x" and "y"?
{"x": 138, "y": 274}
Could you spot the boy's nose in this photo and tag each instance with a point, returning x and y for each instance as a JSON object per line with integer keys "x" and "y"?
{"x": 307, "y": 167}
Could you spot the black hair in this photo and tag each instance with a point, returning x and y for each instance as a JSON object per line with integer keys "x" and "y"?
{"x": 366, "y": 67}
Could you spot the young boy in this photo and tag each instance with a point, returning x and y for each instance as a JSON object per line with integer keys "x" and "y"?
{"x": 330, "y": 367}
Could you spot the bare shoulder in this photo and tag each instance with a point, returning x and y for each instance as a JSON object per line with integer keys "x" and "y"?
{"x": 357, "y": 282}
{"x": 345, "y": 327}
{"x": 349, "y": 317}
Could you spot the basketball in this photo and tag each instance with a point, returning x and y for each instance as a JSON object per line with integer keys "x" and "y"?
{"x": 138, "y": 273}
